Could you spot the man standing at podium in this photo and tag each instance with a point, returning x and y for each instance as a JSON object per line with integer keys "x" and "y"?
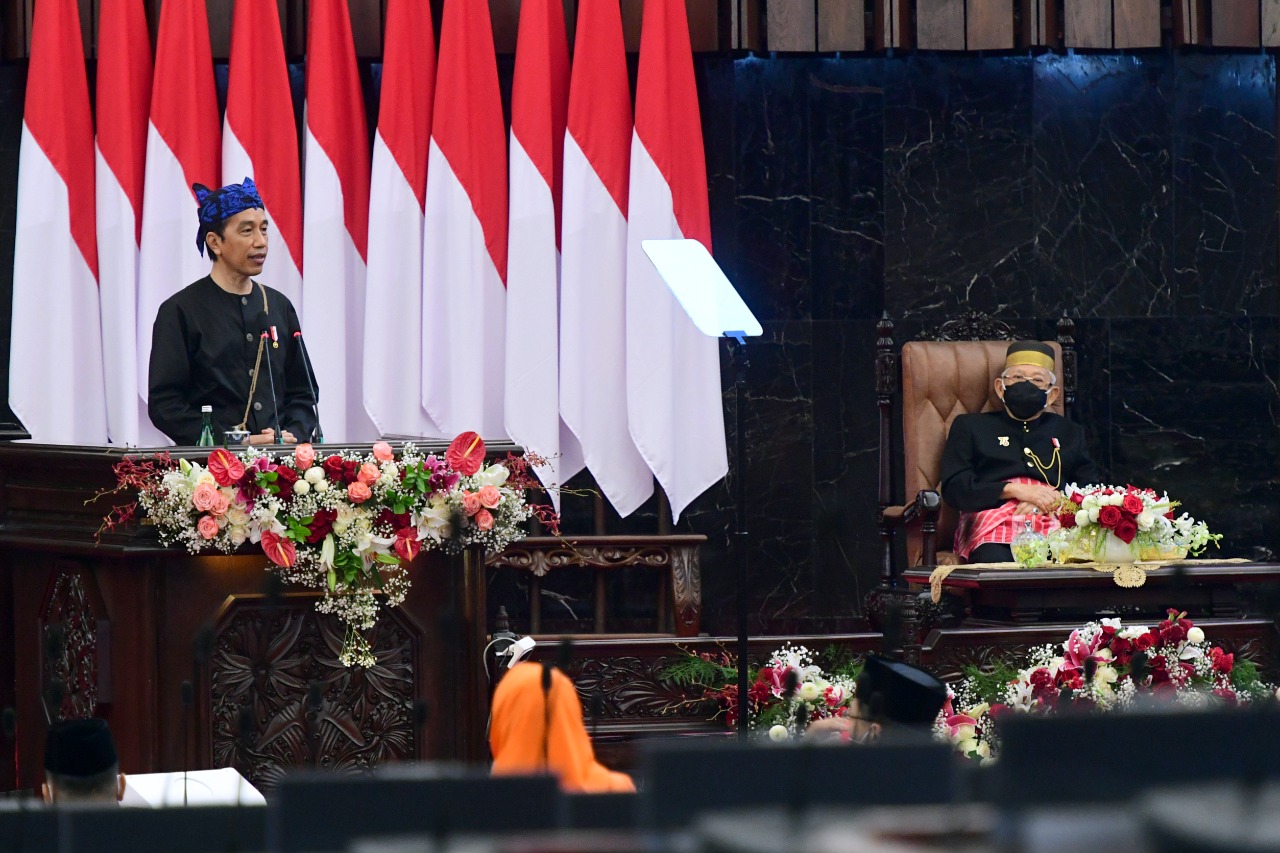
{"x": 1000, "y": 469}
{"x": 227, "y": 341}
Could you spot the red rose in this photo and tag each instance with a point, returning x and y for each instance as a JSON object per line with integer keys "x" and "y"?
{"x": 350, "y": 471}
{"x": 285, "y": 478}
{"x": 1125, "y": 530}
{"x": 1122, "y": 649}
{"x": 388, "y": 520}
{"x": 1131, "y": 504}
{"x": 333, "y": 468}
{"x": 1145, "y": 641}
{"x": 1067, "y": 519}
{"x": 321, "y": 525}
{"x": 997, "y": 711}
{"x": 1110, "y": 516}
{"x": 1226, "y": 694}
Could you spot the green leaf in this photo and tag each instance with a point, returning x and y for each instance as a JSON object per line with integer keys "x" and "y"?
{"x": 387, "y": 559}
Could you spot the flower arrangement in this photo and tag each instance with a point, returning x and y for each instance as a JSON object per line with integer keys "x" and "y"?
{"x": 1103, "y": 666}
{"x": 1113, "y": 524}
{"x": 787, "y": 693}
{"x": 344, "y": 524}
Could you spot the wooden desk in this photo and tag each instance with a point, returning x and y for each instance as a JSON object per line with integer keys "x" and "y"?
{"x": 129, "y": 611}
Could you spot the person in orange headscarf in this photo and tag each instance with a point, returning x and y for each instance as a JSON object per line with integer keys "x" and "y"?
{"x": 536, "y": 730}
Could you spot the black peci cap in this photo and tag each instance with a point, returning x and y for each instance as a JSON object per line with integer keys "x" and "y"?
{"x": 905, "y": 694}
{"x": 80, "y": 748}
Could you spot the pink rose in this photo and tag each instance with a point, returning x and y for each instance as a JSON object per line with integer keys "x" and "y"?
{"x": 484, "y": 519}
{"x": 303, "y": 456}
{"x": 207, "y": 526}
{"x": 471, "y": 503}
{"x": 204, "y": 497}
{"x": 383, "y": 452}
{"x": 490, "y": 497}
{"x": 221, "y": 505}
{"x": 368, "y": 473}
{"x": 359, "y": 492}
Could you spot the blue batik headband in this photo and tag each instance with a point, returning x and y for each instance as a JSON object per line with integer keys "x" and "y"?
{"x": 217, "y": 205}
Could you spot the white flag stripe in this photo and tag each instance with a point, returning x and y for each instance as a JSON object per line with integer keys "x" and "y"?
{"x": 279, "y": 270}
{"x": 55, "y": 362}
{"x": 169, "y": 259}
{"x": 673, "y": 371}
{"x": 463, "y": 311}
{"x": 118, "y": 284}
{"x": 336, "y": 279}
{"x": 393, "y": 339}
{"x": 532, "y": 385}
{"x": 593, "y": 397}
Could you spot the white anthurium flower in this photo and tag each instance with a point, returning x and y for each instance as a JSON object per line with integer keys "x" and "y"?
{"x": 1195, "y": 635}
{"x": 1190, "y": 652}
{"x": 494, "y": 475}
{"x": 1145, "y": 520}
{"x": 327, "y": 550}
{"x": 778, "y": 733}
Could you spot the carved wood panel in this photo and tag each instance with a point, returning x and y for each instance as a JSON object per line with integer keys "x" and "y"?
{"x": 265, "y": 662}
{"x": 70, "y": 661}
{"x": 633, "y": 688}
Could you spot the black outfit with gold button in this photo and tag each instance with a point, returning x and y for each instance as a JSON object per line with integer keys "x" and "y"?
{"x": 985, "y": 450}
{"x": 203, "y": 347}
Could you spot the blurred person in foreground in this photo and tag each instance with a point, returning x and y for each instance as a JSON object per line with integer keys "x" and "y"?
{"x": 80, "y": 764}
{"x": 537, "y": 727}
{"x": 888, "y": 695}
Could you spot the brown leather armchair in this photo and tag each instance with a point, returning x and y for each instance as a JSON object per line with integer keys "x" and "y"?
{"x": 948, "y": 373}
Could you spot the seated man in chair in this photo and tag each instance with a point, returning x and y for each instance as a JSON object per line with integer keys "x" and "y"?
{"x": 1000, "y": 468}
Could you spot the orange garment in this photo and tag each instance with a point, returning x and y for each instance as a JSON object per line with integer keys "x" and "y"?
{"x": 524, "y": 720}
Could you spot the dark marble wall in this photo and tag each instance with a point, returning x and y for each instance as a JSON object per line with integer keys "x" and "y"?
{"x": 1135, "y": 192}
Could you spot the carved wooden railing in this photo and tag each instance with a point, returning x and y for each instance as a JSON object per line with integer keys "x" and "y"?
{"x": 673, "y": 558}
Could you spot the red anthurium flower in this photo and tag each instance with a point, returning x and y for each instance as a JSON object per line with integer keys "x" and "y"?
{"x": 225, "y": 467}
{"x": 407, "y": 545}
{"x": 278, "y": 549}
{"x": 466, "y": 453}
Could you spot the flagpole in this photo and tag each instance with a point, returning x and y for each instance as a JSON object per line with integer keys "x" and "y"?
{"x": 738, "y": 358}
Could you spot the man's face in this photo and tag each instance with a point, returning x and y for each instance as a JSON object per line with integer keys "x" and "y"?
{"x": 242, "y": 248}
{"x": 1034, "y": 374}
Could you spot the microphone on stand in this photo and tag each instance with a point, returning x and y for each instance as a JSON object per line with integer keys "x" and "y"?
{"x": 270, "y": 332}
{"x": 318, "y": 434}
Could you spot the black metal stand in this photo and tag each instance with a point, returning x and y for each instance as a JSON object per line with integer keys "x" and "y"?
{"x": 738, "y": 358}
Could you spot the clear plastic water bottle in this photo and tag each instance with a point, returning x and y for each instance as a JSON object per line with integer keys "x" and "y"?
{"x": 206, "y": 427}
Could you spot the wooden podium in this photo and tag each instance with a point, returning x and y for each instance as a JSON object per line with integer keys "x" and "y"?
{"x": 119, "y": 627}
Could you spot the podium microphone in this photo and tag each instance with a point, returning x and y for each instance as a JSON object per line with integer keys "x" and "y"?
{"x": 270, "y": 332}
{"x": 188, "y": 695}
{"x": 318, "y": 435}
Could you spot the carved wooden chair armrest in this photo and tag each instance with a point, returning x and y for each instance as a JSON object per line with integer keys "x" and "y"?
{"x": 924, "y": 510}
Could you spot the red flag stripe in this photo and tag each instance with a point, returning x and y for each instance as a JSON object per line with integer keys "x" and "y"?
{"x": 542, "y": 72}
{"x": 57, "y": 114}
{"x": 667, "y": 118}
{"x": 408, "y": 89}
{"x": 184, "y": 102}
{"x": 600, "y": 97}
{"x": 260, "y": 112}
{"x": 124, "y": 98}
{"x": 335, "y": 111}
{"x": 468, "y": 126}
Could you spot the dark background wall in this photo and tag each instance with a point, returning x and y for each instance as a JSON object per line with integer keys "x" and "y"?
{"x": 1135, "y": 192}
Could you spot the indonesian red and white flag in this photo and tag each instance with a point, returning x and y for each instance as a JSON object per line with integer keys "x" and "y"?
{"x": 393, "y": 336}
{"x": 260, "y": 139}
{"x": 55, "y": 361}
{"x": 539, "y": 104}
{"x": 124, "y": 99}
{"x": 182, "y": 148}
{"x": 593, "y": 273}
{"x": 673, "y": 370}
{"x": 336, "y": 220}
{"x": 464, "y": 246}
